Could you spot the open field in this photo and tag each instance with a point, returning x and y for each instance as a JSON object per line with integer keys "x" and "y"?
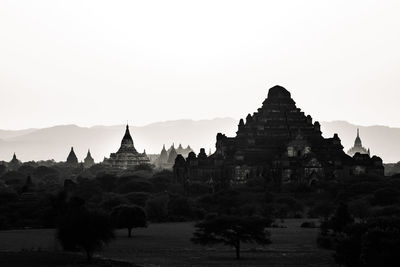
{"x": 168, "y": 244}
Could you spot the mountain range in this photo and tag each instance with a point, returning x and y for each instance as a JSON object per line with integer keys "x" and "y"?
{"x": 55, "y": 142}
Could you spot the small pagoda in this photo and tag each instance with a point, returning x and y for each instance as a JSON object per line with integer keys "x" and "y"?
{"x": 88, "y": 161}
{"x": 358, "y": 147}
{"x": 72, "y": 159}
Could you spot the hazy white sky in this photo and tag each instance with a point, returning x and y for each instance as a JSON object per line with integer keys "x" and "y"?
{"x": 106, "y": 62}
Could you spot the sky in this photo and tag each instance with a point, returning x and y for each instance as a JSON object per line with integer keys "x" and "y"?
{"x": 108, "y": 62}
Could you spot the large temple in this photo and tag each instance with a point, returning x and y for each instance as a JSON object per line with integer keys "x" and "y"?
{"x": 358, "y": 148}
{"x": 279, "y": 143}
{"x": 126, "y": 157}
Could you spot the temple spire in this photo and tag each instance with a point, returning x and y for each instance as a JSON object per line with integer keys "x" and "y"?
{"x": 72, "y": 159}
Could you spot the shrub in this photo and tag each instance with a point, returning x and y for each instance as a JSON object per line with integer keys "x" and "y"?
{"x": 308, "y": 225}
{"x": 137, "y": 198}
{"x": 112, "y": 200}
{"x": 138, "y": 185}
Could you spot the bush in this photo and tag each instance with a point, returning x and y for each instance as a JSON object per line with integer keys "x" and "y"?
{"x": 179, "y": 209}
{"x": 112, "y": 200}
{"x": 137, "y": 198}
{"x": 326, "y": 241}
{"x": 308, "y": 225}
{"x": 290, "y": 205}
{"x": 138, "y": 185}
{"x": 386, "y": 196}
{"x": 322, "y": 210}
{"x": 340, "y": 219}
{"x": 107, "y": 182}
{"x": 162, "y": 180}
{"x": 198, "y": 188}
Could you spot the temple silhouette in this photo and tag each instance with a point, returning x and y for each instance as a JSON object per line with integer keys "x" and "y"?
{"x": 126, "y": 157}
{"x": 358, "y": 148}
{"x": 167, "y": 158}
{"x": 72, "y": 159}
{"x": 88, "y": 161}
{"x": 279, "y": 143}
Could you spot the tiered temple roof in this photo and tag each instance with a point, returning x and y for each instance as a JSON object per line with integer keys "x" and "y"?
{"x": 126, "y": 156}
{"x": 278, "y": 140}
{"x": 358, "y": 148}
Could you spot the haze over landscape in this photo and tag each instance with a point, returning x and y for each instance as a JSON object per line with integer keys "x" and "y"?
{"x": 55, "y": 142}
{"x": 101, "y": 63}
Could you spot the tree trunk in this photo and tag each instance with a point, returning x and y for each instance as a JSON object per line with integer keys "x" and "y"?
{"x": 237, "y": 247}
{"x": 129, "y": 232}
{"x": 89, "y": 256}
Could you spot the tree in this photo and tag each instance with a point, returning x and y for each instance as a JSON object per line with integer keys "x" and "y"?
{"x": 129, "y": 217}
{"x": 157, "y": 208}
{"x": 341, "y": 218}
{"x": 179, "y": 208}
{"x": 375, "y": 242}
{"x": 386, "y": 196}
{"x": 231, "y": 231}
{"x": 83, "y": 229}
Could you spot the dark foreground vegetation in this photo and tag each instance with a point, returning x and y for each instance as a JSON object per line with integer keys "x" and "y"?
{"x": 359, "y": 215}
{"x": 168, "y": 244}
{"x": 53, "y": 259}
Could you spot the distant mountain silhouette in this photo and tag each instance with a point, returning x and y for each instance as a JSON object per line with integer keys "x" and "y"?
{"x": 55, "y": 142}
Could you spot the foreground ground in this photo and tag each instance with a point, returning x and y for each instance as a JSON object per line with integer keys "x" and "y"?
{"x": 168, "y": 244}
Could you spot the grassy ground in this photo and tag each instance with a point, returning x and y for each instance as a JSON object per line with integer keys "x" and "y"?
{"x": 168, "y": 244}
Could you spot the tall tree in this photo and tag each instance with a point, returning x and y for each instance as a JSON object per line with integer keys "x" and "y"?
{"x": 232, "y": 231}
{"x": 129, "y": 217}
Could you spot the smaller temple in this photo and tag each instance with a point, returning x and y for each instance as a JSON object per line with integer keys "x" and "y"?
{"x": 126, "y": 157}
{"x": 167, "y": 158}
{"x": 358, "y": 148}
{"x": 172, "y": 155}
{"x": 72, "y": 159}
{"x": 183, "y": 151}
{"x": 163, "y": 158}
{"x": 14, "y": 164}
{"x": 88, "y": 161}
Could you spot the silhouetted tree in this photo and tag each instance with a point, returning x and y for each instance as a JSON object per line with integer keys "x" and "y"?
{"x": 373, "y": 243}
{"x": 231, "y": 231}
{"x": 341, "y": 218}
{"x": 386, "y": 196}
{"x": 86, "y": 230}
{"x": 129, "y": 217}
{"x": 157, "y": 208}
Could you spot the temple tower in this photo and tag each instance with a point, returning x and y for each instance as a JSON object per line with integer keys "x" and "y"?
{"x": 358, "y": 148}
{"x": 72, "y": 159}
{"x": 127, "y": 156}
{"x": 88, "y": 161}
